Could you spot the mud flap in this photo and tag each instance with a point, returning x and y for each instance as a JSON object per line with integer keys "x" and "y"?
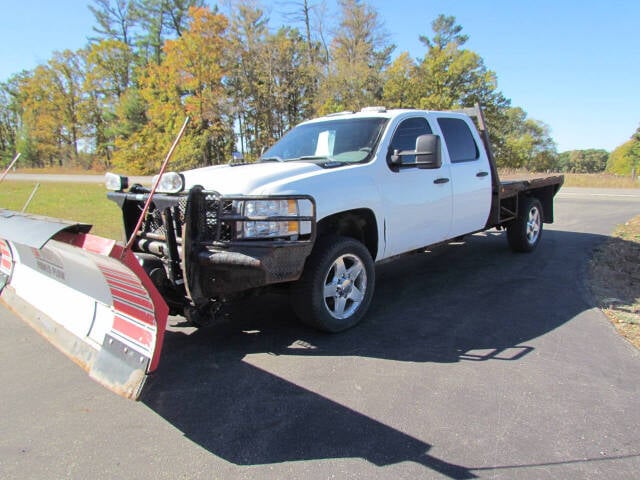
{"x": 86, "y": 294}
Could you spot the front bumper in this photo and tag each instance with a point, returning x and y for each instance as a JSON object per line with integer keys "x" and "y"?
{"x": 219, "y": 272}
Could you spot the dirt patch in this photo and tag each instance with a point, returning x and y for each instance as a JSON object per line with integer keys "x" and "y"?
{"x": 615, "y": 279}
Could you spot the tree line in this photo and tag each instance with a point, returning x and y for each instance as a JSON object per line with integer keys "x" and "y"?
{"x": 117, "y": 102}
{"x": 625, "y": 160}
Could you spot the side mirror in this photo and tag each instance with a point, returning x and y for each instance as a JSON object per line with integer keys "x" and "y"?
{"x": 428, "y": 151}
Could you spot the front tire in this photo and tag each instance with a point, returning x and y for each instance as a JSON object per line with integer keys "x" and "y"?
{"x": 336, "y": 288}
{"x": 525, "y": 231}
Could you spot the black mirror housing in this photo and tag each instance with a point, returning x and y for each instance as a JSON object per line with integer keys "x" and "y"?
{"x": 395, "y": 158}
{"x": 428, "y": 154}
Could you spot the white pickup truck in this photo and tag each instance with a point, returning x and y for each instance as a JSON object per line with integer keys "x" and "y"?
{"x": 311, "y": 217}
{"x": 330, "y": 199}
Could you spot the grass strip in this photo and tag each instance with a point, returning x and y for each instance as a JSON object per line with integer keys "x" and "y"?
{"x": 82, "y": 202}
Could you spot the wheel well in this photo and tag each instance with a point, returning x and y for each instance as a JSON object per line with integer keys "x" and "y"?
{"x": 545, "y": 196}
{"x": 359, "y": 224}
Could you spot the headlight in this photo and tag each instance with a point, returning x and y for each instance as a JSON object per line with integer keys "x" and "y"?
{"x": 114, "y": 182}
{"x": 171, "y": 182}
{"x": 262, "y": 226}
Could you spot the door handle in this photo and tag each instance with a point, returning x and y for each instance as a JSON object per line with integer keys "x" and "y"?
{"x": 482, "y": 174}
{"x": 440, "y": 180}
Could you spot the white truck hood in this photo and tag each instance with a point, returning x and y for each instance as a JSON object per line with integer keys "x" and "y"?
{"x": 247, "y": 179}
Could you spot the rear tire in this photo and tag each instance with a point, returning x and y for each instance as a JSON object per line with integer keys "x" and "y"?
{"x": 525, "y": 231}
{"x": 336, "y": 288}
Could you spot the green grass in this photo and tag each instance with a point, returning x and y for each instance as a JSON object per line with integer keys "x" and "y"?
{"x": 82, "y": 202}
{"x": 599, "y": 180}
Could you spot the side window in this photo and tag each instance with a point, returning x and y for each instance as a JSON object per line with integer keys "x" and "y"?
{"x": 459, "y": 140}
{"x": 405, "y": 137}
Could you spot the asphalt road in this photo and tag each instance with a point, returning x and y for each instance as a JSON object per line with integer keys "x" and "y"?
{"x": 474, "y": 362}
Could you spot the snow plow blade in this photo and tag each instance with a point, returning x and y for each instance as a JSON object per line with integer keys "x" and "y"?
{"x": 86, "y": 294}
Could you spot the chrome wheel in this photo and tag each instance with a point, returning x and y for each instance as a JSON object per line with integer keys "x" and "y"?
{"x": 337, "y": 284}
{"x": 533, "y": 225}
{"x": 345, "y": 285}
{"x": 525, "y": 231}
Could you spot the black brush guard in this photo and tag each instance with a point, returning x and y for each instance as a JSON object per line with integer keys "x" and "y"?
{"x": 191, "y": 239}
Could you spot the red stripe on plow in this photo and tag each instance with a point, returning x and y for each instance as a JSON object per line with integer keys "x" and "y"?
{"x": 132, "y": 331}
{"x": 132, "y": 311}
{"x": 142, "y": 302}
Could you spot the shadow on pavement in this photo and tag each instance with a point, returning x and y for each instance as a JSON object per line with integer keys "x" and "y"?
{"x": 472, "y": 302}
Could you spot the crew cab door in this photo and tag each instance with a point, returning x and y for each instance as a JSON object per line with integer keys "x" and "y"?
{"x": 416, "y": 201}
{"x": 470, "y": 175}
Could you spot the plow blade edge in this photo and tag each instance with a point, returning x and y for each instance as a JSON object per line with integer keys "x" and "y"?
{"x": 86, "y": 294}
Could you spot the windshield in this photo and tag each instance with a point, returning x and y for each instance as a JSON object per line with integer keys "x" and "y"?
{"x": 342, "y": 141}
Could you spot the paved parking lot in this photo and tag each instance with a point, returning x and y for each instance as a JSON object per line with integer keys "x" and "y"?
{"x": 474, "y": 362}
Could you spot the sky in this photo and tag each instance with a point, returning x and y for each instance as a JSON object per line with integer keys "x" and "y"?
{"x": 574, "y": 65}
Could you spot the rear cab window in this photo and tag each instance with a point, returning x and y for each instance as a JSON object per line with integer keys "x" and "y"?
{"x": 459, "y": 140}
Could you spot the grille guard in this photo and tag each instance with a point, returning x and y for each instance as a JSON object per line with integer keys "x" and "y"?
{"x": 194, "y": 233}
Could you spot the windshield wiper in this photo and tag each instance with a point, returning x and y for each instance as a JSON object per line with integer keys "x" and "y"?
{"x": 333, "y": 164}
{"x": 329, "y": 161}
{"x": 313, "y": 157}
